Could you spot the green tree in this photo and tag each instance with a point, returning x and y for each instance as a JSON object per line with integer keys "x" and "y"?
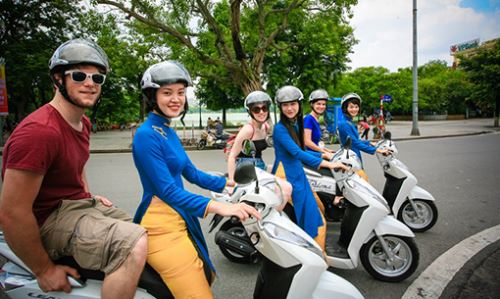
{"x": 129, "y": 57}
{"x": 235, "y": 38}
{"x": 30, "y": 31}
{"x": 483, "y": 71}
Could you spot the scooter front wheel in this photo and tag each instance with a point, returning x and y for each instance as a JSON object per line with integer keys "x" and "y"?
{"x": 396, "y": 266}
{"x": 420, "y": 220}
{"x": 201, "y": 145}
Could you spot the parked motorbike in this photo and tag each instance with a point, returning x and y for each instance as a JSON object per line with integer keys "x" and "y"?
{"x": 411, "y": 204}
{"x": 20, "y": 283}
{"x": 293, "y": 265}
{"x": 211, "y": 140}
{"x": 385, "y": 246}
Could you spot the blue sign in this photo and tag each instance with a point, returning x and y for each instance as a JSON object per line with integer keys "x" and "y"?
{"x": 386, "y": 98}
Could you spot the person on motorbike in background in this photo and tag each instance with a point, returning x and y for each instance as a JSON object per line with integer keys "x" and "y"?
{"x": 350, "y": 105}
{"x": 290, "y": 153}
{"x": 312, "y": 128}
{"x": 257, "y": 104}
{"x": 176, "y": 247}
{"x": 46, "y": 209}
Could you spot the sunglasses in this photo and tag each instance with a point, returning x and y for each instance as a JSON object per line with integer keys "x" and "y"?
{"x": 259, "y": 109}
{"x": 80, "y": 77}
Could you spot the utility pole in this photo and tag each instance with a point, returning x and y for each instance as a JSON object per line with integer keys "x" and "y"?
{"x": 414, "y": 129}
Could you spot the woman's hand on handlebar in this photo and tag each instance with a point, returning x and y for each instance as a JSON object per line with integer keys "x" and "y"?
{"x": 327, "y": 156}
{"x": 384, "y": 152}
{"x": 338, "y": 166}
{"x": 240, "y": 210}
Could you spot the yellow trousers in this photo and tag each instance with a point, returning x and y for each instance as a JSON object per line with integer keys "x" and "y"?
{"x": 172, "y": 253}
{"x": 321, "y": 237}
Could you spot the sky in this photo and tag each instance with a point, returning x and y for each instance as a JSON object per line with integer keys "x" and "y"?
{"x": 384, "y": 29}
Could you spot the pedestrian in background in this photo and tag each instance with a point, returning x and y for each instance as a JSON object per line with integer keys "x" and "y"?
{"x": 364, "y": 127}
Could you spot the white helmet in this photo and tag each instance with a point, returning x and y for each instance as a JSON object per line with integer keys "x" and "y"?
{"x": 350, "y": 97}
{"x": 287, "y": 94}
{"x": 318, "y": 94}
{"x": 257, "y": 97}
{"x": 79, "y": 51}
{"x": 166, "y": 72}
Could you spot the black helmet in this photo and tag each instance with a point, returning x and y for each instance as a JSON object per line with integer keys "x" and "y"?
{"x": 287, "y": 94}
{"x": 79, "y": 51}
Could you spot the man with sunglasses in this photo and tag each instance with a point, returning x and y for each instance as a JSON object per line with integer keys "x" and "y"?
{"x": 46, "y": 209}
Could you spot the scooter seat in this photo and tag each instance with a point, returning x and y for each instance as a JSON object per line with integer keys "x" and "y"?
{"x": 149, "y": 280}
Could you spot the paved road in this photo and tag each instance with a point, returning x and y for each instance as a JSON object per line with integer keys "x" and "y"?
{"x": 461, "y": 172}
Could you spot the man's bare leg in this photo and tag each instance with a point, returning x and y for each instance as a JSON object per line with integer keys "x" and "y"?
{"x": 122, "y": 283}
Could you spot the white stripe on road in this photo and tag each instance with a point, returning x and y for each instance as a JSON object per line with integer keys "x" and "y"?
{"x": 432, "y": 282}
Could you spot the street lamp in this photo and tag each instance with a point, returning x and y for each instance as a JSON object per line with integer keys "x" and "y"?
{"x": 414, "y": 129}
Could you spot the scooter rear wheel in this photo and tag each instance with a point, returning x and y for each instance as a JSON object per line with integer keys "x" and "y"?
{"x": 201, "y": 145}
{"x": 237, "y": 230}
{"x": 376, "y": 262}
{"x": 427, "y": 210}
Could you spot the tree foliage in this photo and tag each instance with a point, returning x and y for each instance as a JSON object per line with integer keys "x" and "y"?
{"x": 229, "y": 41}
{"x": 483, "y": 70}
{"x": 30, "y": 31}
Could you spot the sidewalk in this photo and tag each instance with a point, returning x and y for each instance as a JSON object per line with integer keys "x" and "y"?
{"x": 119, "y": 141}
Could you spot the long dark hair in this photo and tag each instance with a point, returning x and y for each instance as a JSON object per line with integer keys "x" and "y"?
{"x": 288, "y": 123}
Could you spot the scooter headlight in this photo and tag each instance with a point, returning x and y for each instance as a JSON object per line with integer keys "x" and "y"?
{"x": 282, "y": 234}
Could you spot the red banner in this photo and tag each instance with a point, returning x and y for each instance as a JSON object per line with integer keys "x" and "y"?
{"x": 4, "y": 108}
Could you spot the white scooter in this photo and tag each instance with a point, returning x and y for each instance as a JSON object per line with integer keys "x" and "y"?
{"x": 293, "y": 265}
{"x": 411, "y": 204}
{"x": 385, "y": 246}
{"x": 18, "y": 282}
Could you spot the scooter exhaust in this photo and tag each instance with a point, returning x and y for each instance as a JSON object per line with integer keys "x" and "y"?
{"x": 236, "y": 245}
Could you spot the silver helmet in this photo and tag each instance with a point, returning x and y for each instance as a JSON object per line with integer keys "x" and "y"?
{"x": 166, "y": 72}
{"x": 350, "y": 97}
{"x": 288, "y": 94}
{"x": 318, "y": 94}
{"x": 257, "y": 97}
{"x": 79, "y": 51}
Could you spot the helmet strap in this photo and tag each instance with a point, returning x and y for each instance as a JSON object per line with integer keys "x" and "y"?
{"x": 62, "y": 89}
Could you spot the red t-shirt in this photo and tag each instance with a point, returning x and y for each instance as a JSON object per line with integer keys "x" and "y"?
{"x": 46, "y": 144}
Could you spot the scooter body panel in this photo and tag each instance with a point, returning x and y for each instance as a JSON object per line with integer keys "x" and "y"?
{"x": 391, "y": 226}
{"x": 361, "y": 194}
{"x": 91, "y": 290}
{"x": 342, "y": 288}
{"x": 419, "y": 192}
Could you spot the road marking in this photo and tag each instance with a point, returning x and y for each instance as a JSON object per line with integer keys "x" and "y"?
{"x": 432, "y": 282}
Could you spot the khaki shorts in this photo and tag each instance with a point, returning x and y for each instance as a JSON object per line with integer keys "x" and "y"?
{"x": 98, "y": 237}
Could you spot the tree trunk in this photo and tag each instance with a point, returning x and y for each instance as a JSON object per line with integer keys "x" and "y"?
{"x": 251, "y": 84}
{"x": 224, "y": 116}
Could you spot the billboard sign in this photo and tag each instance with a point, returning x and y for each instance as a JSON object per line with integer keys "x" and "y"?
{"x": 464, "y": 46}
{"x": 4, "y": 108}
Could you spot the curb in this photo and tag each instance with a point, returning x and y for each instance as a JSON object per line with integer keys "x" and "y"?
{"x": 193, "y": 148}
{"x": 433, "y": 280}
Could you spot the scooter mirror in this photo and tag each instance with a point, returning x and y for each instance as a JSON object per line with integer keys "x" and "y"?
{"x": 248, "y": 148}
{"x": 245, "y": 173}
{"x": 387, "y": 135}
{"x": 348, "y": 143}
